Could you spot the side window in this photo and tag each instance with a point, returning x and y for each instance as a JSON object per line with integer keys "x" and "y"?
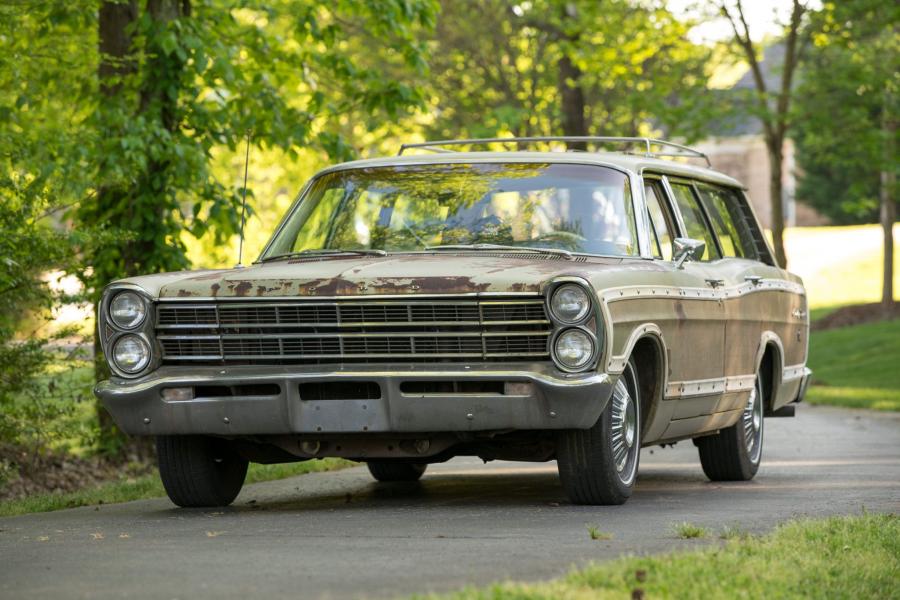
{"x": 694, "y": 221}
{"x": 729, "y": 221}
{"x": 661, "y": 229}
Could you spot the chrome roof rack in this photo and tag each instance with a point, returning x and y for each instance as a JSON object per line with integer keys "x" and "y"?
{"x": 674, "y": 150}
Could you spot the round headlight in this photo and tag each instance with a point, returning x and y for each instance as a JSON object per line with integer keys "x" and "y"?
{"x": 573, "y": 349}
{"x": 131, "y": 353}
{"x": 127, "y": 310}
{"x": 570, "y": 303}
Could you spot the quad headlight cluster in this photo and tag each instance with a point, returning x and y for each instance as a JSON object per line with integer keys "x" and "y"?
{"x": 574, "y": 345}
{"x": 126, "y": 346}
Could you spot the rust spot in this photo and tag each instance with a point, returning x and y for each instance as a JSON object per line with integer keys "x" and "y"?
{"x": 242, "y": 288}
{"x": 679, "y": 311}
{"x": 331, "y": 287}
{"x": 214, "y": 288}
{"x": 183, "y": 293}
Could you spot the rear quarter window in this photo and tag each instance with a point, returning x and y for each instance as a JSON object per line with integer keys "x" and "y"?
{"x": 729, "y": 221}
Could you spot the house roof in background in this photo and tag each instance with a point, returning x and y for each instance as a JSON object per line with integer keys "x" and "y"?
{"x": 745, "y": 123}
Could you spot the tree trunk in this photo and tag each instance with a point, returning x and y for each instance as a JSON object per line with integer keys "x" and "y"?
{"x": 162, "y": 73}
{"x": 572, "y": 101}
{"x": 888, "y": 207}
{"x": 776, "y": 191}
{"x": 151, "y": 100}
{"x": 570, "y": 92}
{"x": 115, "y": 44}
{"x": 114, "y": 24}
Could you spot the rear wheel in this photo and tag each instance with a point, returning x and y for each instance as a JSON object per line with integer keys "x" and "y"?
{"x": 200, "y": 471}
{"x": 599, "y": 465}
{"x": 387, "y": 471}
{"x": 734, "y": 454}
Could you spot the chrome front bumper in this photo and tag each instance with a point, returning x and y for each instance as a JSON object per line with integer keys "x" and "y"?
{"x": 555, "y": 400}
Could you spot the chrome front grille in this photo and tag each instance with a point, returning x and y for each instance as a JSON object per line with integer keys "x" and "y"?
{"x": 302, "y": 331}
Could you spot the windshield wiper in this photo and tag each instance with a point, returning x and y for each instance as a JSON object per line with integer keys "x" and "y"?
{"x": 326, "y": 252}
{"x": 560, "y": 252}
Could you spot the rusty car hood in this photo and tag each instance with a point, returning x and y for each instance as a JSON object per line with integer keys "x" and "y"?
{"x": 373, "y": 275}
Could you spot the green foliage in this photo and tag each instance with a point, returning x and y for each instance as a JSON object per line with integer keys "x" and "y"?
{"x": 124, "y": 143}
{"x": 633, "y": 65}
{"x": 41, "y": 163}
{"x": 36, "y": 396}
{"x": 851, "y": 95}
{"x": 198, "y": 76}
{"x": 839, "y": 557}
{"x": 856, "y": 366}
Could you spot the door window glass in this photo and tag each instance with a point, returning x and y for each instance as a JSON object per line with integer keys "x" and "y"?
{"x": 695, "y": 223}
{"x": 661, "y": 230}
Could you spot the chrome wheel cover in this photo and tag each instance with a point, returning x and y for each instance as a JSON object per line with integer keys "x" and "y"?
{"x": 752, "y": 423}
{"x": 625, "y": 431}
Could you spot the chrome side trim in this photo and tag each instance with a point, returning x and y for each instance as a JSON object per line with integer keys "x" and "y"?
{"x": 687, "y": 293}
{"x": 704, "y": 387}
{"x": 794, "y": 372}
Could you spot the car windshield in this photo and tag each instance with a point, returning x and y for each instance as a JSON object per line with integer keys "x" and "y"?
{"x": 578, "y": 208}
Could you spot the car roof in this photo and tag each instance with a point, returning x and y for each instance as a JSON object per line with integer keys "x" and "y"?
{"x": 632, "y": 163}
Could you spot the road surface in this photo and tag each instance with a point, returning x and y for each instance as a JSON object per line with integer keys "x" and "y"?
{"x": 339, "y": 535}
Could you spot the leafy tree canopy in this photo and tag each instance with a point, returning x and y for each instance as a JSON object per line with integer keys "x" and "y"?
{"x": 847, "y": 130}
{"x": 611, "y": 67}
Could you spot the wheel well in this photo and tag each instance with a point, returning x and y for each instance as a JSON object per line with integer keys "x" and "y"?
{"x": 648, "y": 362}
{"x": 768, "y": 368}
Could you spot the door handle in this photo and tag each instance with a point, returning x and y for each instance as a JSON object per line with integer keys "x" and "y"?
{"x": 754, "y": 279}
{"x": 715, "y": 282}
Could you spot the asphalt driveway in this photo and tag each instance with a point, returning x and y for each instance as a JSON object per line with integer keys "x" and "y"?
{"x": 339, "y": 535}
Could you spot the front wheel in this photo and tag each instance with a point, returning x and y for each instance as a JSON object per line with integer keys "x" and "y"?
{"x": 734, "y": 453}
{"x": 200, "y": 471}
{"x": 599, "y": 465}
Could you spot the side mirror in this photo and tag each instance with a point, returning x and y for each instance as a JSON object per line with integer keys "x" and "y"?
{"x": 687, "y": 248}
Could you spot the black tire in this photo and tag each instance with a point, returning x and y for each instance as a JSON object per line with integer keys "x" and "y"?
{"x": 587, "y": 458}
{"x": 388, "y": 471}
{"x": 727, "y": 456}
{"x": 199, "y": 471}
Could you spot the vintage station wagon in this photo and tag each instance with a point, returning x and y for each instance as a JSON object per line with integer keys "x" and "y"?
{"x": 518, "y": 305}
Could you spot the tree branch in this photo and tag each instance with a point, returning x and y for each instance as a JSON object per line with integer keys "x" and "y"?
{"x": 746, "y": 44}
{"x": 790, "y": 65}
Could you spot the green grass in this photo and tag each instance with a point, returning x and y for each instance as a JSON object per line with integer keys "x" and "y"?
{"x": 856, "y": 367}
{"x": 689, "y": 531}
{"x": 595, "y": 533}
{"x": 733, "y": 532}
{"x": 149, "y": 486}
{"x": 836, "y": 558}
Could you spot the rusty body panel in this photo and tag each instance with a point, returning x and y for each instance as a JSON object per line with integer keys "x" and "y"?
{"x": 411, "y": 273}
{"x": 713, "y": 323}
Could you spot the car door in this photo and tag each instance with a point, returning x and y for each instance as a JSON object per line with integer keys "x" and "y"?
{"x": 762, "y": 305}
{"x": 693, "y": 321}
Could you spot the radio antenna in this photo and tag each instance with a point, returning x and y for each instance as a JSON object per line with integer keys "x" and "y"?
{"x": 244, "y": 202}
